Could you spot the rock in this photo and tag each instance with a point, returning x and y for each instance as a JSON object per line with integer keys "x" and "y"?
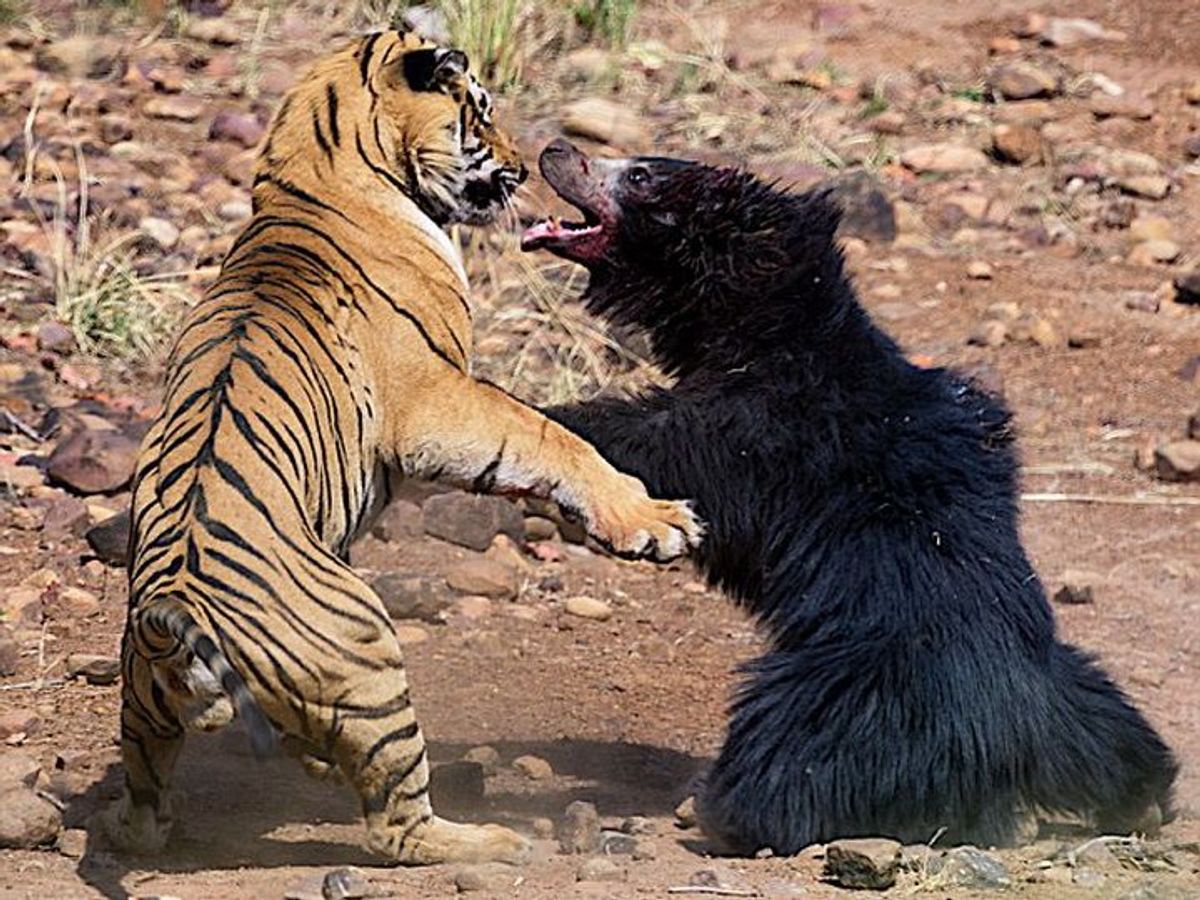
{"x": 1152, "y": 187}
{"x": 1191, "y": 93}
{"x": 1104, "y": 106}
{"x": 471, "y": 520}
{"x": 605, "y": 121}
{"x": 1118, "y": 163}
{"x": 685, "y": 813}
{"x": 969, "y": 867}
{"x": 18, "y": 770}
{"x": 588, "y": 608}
{"x": 579, "y": 831}
{"x": 23, "y": 606}
{"x": 1150, "y": 228}
{"x": 862, "y": 863}
{"x": 1098, "y": 856}
{"x": 989, "y": 333}
{"x": 96, "y": 669}
{"x": 77, "y": 602}
{"x": 1178, "y": 461}
{"x": 1076, "y": 588}
{"x": 506, "y": 551}
{"x": 1060, "y": 32}
{"x": 1191, "y": 146}
{"x": 867, "y": 213}
{"x": 1187, "y": 288}
{"x": 890, "y": 121}
{"x": 26, "y": 820}
{"x": 457, "y": 784}
{"x": 235, "y": 210}
{"x": 115, "y": 128}
{"x": 55, "y": 337}
{"x": 542, "y": 827}
{"x": 222, "y": 32}
{"x": 1193, "y": 432}
{"x": 491, "y": 877}
{"x": 412, "y": 596}
{"x": 600, "y": 868}
{"x": 533, "y": 767}
{"x": 485, "y": 577}
{"x": 10, "y": 652}
{"x": 93, "y": 462}
{"x": 617, "y": 843}
{"x": 1142, "y": 301}
{"x": 16, "y": 478}
{"x": 18, "y": 724}
{"x": 539, "y": 528}
{"x": 177, "y": 108}
{"x": 109, "y": 539}
{"x": 241, "y": 128}
{"x": 1035, "y": 330}
{"x": 410, "y": 634}
{"x": 345, "y": 883}
{"x": 83, "y": 56}
{"x": 400, "y": 519}
{"x": 1152, "y": 253}
{"x": 979, "y": 270}
{"x": 161, "y": 233}
{"x": 1022, "y": 81}
{"x": 72, "y": 843}
{"x": 1081, "y": 339}
{"x": 1018, "y": 143}
{"x": 471, "y": 608}
{"x": 941, "y": 159}
{"x": 1088, "y": 878}
{"x": 487, "y": 758}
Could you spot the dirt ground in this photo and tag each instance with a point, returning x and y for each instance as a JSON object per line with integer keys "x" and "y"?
{"x": 626, "y": 711}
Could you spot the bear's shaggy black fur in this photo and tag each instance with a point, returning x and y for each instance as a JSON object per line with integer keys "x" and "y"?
{"x": 863, "y": 510}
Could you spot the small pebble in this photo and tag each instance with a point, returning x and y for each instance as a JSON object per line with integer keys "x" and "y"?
{"x": 979, "y": 270}
{"x": 685, "y": 813}
{"x": 488, "y": 758}
{"x": 579, "y": 831}
{"x": 600, "y": 868}
{"x": 588, "y": 608}
{"x": 533, "y": 767}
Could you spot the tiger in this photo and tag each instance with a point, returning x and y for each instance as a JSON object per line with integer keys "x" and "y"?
{"x": 328, "y": 361}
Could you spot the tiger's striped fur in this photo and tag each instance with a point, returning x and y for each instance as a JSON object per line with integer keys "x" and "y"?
{"x": 329, "y": 359}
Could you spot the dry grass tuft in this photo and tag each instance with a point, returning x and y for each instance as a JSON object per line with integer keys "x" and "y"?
{"x": 113, "y": 309}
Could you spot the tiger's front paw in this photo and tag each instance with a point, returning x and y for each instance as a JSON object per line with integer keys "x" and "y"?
{"x": 641, "y": 527}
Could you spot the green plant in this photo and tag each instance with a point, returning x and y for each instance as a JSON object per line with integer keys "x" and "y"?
{"x": 494, "y": 34}
{"x": 373, "y": 14}
{"x": 11, "y": 11}
{"x": 877, "y": 105}
{"x": 112, "y": 308}
{"x": 976, "y": 93}
{"x": 608, "y": 19}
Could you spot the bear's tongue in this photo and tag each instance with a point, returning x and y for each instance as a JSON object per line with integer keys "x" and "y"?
{"x": 552, "y": 231}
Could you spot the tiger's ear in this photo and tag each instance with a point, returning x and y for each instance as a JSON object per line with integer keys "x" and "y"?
{"x": 432, "y": 69}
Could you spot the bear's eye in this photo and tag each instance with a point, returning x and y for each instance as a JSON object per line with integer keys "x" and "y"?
{"x": 638, "y": 175}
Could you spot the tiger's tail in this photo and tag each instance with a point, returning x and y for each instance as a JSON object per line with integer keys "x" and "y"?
{"x": 164, "y": 624}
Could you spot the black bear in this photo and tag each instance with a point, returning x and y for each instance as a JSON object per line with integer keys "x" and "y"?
{"x": 863, "y": 510}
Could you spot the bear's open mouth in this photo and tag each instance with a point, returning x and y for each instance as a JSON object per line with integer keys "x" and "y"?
{"x": 553, "y": 233}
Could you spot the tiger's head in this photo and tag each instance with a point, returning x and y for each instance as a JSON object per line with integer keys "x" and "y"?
{"x": 413, "y": 115}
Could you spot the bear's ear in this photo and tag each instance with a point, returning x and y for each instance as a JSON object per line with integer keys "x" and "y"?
{"x": 431, "y": 69}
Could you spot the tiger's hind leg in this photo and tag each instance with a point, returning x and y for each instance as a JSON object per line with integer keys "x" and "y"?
{"x": 151, "y": 739}
{"x": 379, "y": 746}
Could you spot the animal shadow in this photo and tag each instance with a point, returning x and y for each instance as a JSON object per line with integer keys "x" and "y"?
{"x": 238, "y": 812}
